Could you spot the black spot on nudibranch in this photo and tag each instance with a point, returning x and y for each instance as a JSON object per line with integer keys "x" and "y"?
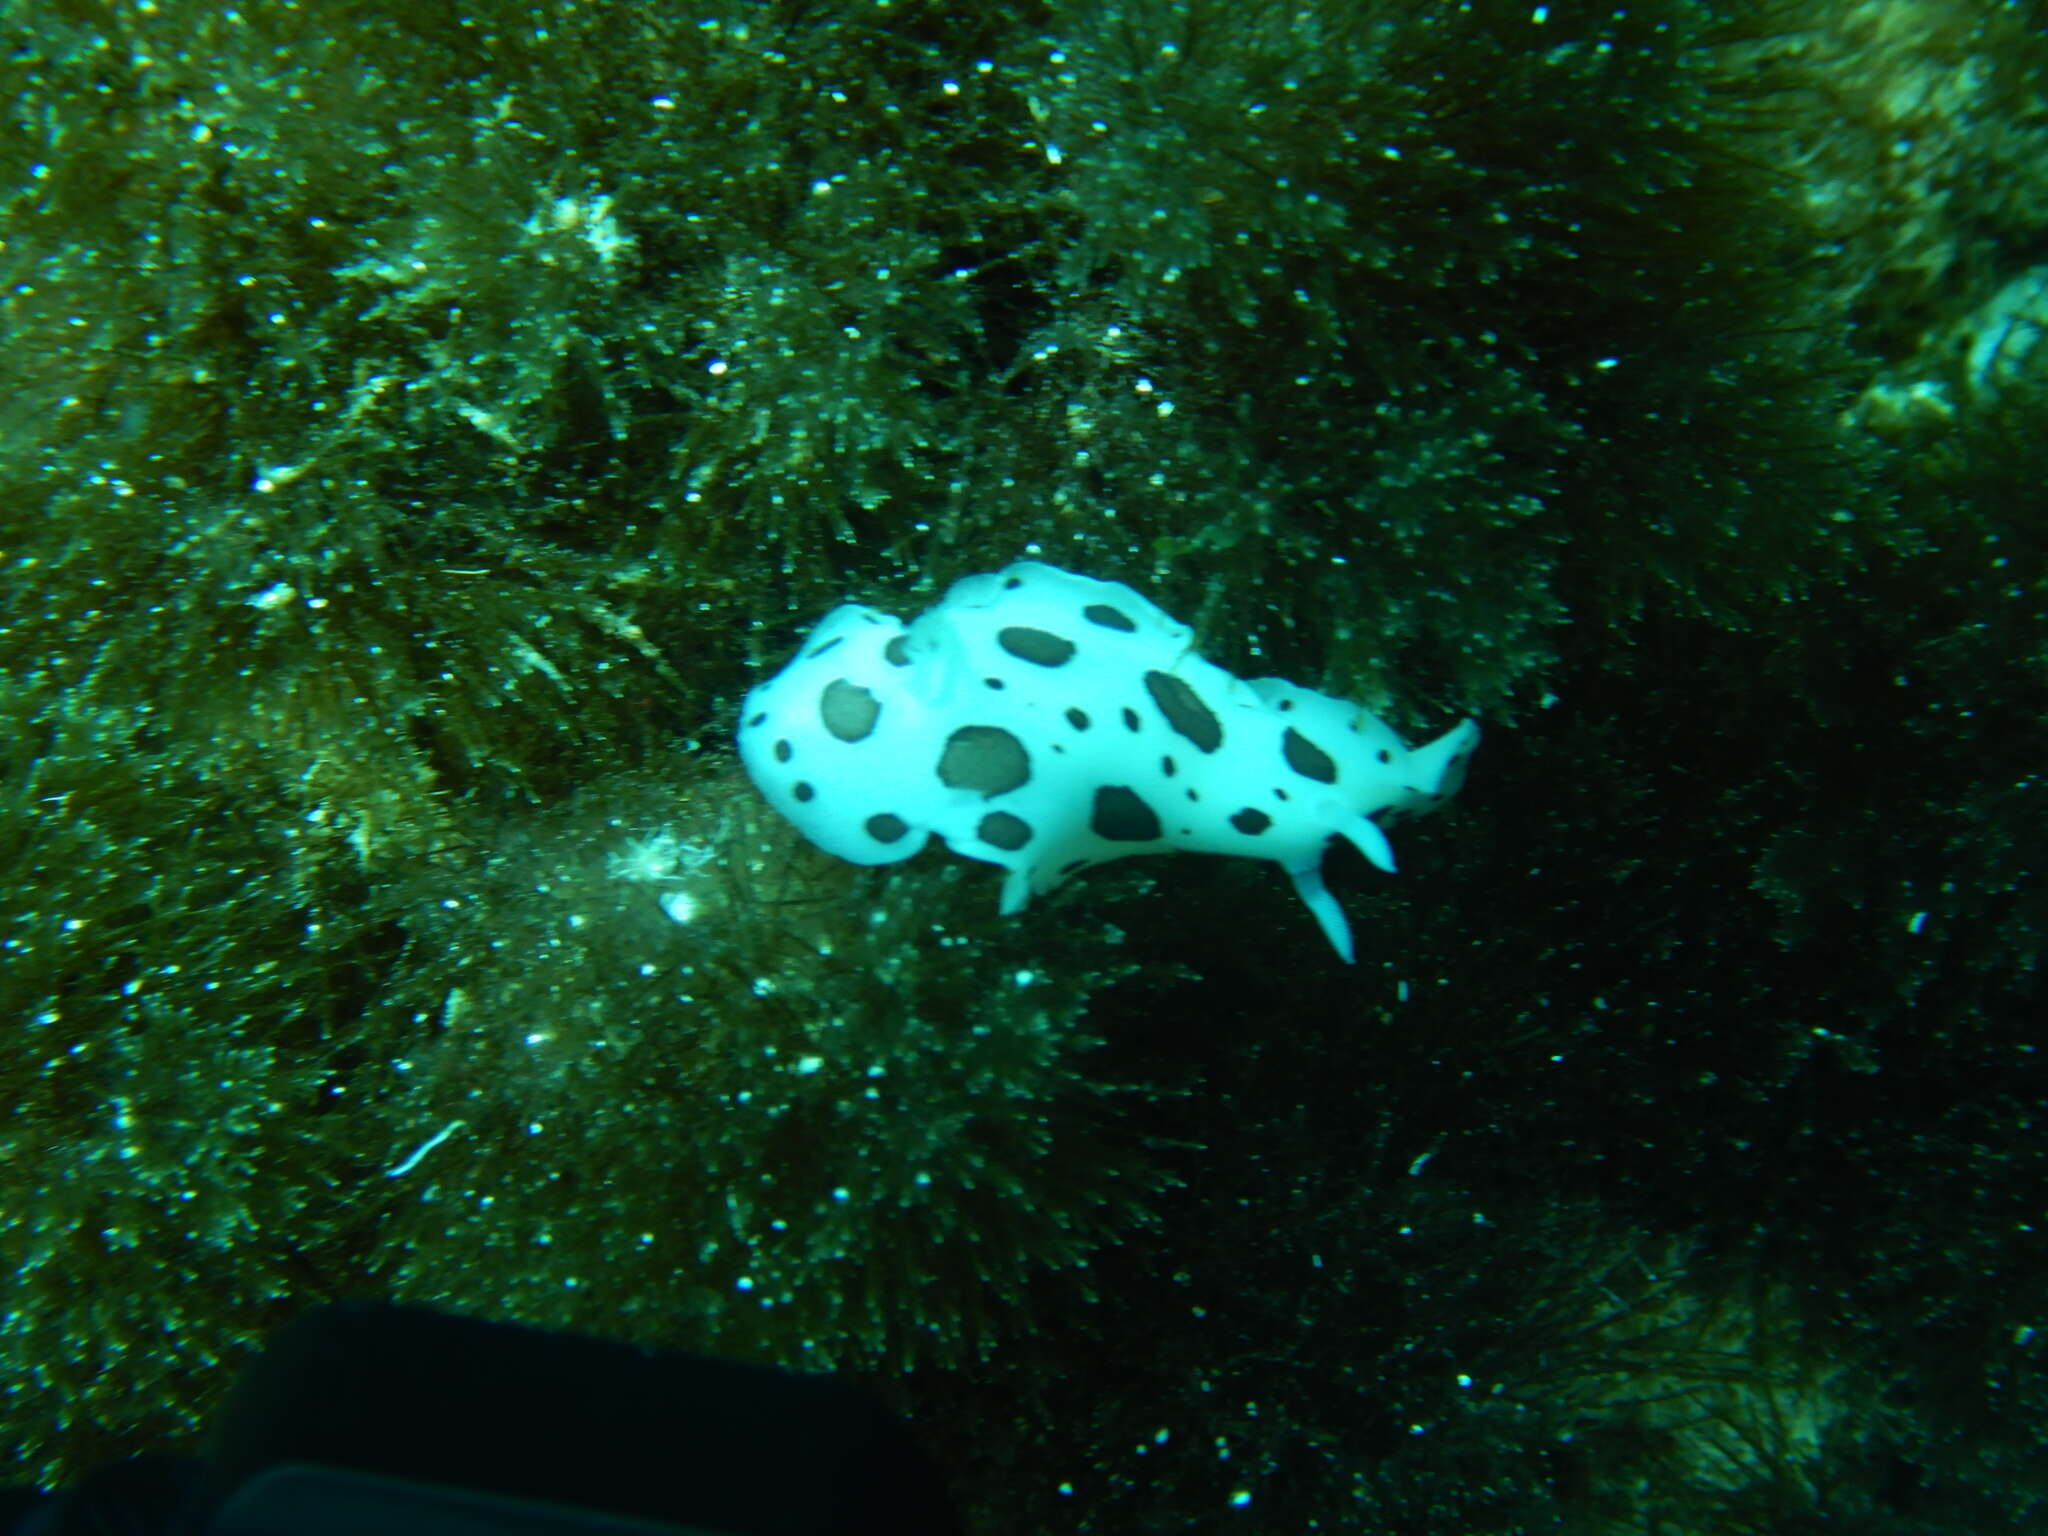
{"x": 1306, "y": 758}
{"x": 848, "y": 710}
{"x": 887, "y": 827}
{"x": 1120, "y": 816}
{"x": 1168, "y": 766}
{"x": 986, "y": 759}
{"x": 804, "y": 792}
{"x": 897, "y": 651}
{"x": 1251, "y": 822}
{"x": 1385, "y": 755}
{"x": 1039, "y": 646}
{"x": 1078, "y": 719}
{"x": 784, "y": 751}
{"x": 1109, "y": 618}
{"x": 1184, "y": 710}
{"x": 759, "y": 718}
{"x": 999, "y": 829}
{"x": 816, "y": 651}
{"x": 1131, "y": 721}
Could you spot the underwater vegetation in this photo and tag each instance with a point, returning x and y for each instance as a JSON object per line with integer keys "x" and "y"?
{"x": 419, "y": 427}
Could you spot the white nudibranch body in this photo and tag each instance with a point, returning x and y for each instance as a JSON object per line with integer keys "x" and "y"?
{"x": 1049, "y": 722}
